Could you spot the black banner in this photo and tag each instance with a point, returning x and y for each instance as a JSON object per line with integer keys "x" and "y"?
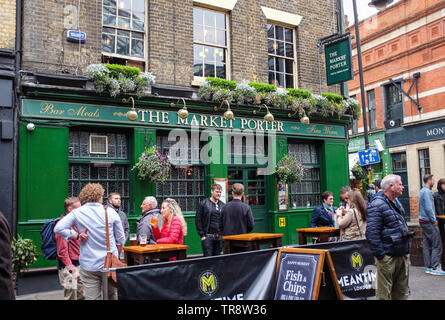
{"x": 243, "y": 276}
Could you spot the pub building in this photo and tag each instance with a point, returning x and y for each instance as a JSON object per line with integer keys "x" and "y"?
{"x": 70, "y": 135}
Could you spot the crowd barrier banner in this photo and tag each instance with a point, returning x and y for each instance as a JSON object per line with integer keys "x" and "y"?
{"x": 241, "y": 276}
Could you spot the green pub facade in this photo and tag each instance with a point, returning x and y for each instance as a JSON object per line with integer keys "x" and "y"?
{"x": 79, "y": 139}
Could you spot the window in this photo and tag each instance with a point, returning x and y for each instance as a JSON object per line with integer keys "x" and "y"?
{"x": 185, "y": 183}
{"x": 398, "y": 161}
{"x": 372, "y": 109}
{"x": 110, "y": 169}
{"x": 307, "y": 192}
{"x": 123, "y": 27}
{"x": 281, "y": 56}
{"x": 394, "y": 107}
{"x": 424, "y": 164}
{"x": 209, "y": 43}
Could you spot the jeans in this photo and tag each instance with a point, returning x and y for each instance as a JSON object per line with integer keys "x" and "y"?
{"x": 392, "y": 278}
{"x": 212, "y": 246}
{"x": 432, "y": 245}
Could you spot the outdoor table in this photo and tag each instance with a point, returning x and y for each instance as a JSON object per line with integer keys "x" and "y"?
{"x": 251, "y": 240}
{"x": 322, "y": 233}
{"x": 441, "y": 223}
{"x": 138, "y": 254}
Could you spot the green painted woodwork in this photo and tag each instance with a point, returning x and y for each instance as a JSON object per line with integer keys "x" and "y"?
{"x": 42, "y": 180}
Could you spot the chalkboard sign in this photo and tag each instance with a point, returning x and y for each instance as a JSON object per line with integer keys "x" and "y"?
{"x": 305, "y": 274}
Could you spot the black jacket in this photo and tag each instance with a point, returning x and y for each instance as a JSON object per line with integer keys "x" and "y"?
{"x": 237, "y": 218}
{"x": 321, "y": 218}
{"x": 6, "y": 284}
{"x": 202, "y": 217}
{"x": 439, "y": 200}
{"x": 386, "y": 228}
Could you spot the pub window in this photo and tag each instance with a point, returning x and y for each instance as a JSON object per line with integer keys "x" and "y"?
{"x": 123, "y": 29}
{"x": 110, "y": 168}
{"x": 394, "y": 103}
{"x": 372, "y": 109}
{"x": 307, "y": 192}
{"x": 424, "y": 164}
{"x": 210, "y": 44}
{"x": 186, "y": 181}
{"x": 281, "y": 56}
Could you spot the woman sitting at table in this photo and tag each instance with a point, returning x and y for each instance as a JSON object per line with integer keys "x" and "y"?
{"x": 323, "y": 214}
{"x": 352, "y": 222}
{"x": 174, "y": 227}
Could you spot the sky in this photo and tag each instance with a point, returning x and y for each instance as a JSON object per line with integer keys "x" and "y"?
{"x": 363, "y": 10}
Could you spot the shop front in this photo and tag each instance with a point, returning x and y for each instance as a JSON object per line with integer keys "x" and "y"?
{"x": 79, "y": 139}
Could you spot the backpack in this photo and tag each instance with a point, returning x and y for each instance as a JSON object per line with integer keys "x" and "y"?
{"x": 49, "y": 246}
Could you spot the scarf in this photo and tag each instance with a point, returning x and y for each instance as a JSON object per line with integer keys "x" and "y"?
{"x": 329, "y": 209}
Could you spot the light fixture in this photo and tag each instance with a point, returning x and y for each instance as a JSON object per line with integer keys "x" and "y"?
{"x": 228, "y": 115}
{"x": 268, "y": 116}
{"x": 30, "y": 127}
{"x": 305, "y": 119}
{"x": 183, "y": 112}
{"x": 379, "y": 4}
{"x": 131, "y": 114}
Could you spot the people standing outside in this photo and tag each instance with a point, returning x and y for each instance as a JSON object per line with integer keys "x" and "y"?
{"x": 68, "y": 258}
{"x": 6, "y": 283}
{"x": 378, "y": 189}
{"x": 432, "y": 246}
{"x": 344, "y": 197}
{"x": 387, "y": 234}
{"x": 114, "y": 201}
{"x": 439, "y": 198}
{"x": 89, "y": 220}
{"x": 174, "y": 226}
{"x": 352, "y": 222}
{"x": 209, "y": 223}
{"x": 323, "y": 215}
{"x": 149, "y": 210}
{"x": 237, "y": 217}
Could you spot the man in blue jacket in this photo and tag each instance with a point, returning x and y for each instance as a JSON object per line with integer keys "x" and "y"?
{"x": 432, "y": 246}
{"x": 388, "y": 237}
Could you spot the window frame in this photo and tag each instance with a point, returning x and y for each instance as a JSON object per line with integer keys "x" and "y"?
{"x": 424, "y": 159}
{"x": 371, "y": 109}
{"x": 197, "y": 80}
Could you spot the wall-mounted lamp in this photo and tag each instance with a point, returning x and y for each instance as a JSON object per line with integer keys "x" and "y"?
{"x": 268, "y": 116}
{"x": 229, "y": 113}
{"x": 30, "y": 127}
{"x": 299, "y": 109}
{"x": 131, "y": 114}
{"x": 379, "y": 4}
{"x": 183, "y": 112}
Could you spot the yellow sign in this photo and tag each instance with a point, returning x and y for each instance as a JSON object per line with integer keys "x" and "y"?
{"x": 282, "y": 222}
{"x": 356, "y": 261}
{"x": 208, "y": 283}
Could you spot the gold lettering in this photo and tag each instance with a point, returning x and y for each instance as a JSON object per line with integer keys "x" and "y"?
{"x": 204, "y": 121}
{"x": 243, "y": 123}
{"x": 49, "y": 109}
{"x": 157, "y": 117}
{"x": 165, "y": 117}
{"x": 143, "y": 112}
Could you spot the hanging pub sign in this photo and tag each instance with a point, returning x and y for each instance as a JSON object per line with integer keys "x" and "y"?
{"x": 306, "y": 274}
{"x": 338, "y": 56}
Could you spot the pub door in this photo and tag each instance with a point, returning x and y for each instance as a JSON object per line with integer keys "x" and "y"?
{"x": 254, "y": 193}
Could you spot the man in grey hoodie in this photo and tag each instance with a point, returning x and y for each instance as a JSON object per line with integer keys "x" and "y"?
{"x": 432, "y": 246}
{"x": 149, "y": 209}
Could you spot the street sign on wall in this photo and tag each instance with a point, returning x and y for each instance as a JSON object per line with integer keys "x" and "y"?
{"x": 368, "y": 157}
{"x": 338, "y": 61}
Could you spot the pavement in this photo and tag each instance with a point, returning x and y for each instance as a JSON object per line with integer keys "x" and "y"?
{"x": 422, "y": 287}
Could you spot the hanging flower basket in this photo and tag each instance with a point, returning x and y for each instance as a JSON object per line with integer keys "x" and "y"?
{"x": 290, "y": 170}
{"x": 152, "y": 166}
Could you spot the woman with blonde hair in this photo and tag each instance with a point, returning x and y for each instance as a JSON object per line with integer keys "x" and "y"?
{"x": 352, "y": 222}
{"x": 174, "y": 227}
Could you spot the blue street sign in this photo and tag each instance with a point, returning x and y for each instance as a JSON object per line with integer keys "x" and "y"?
{"x": 76, "y": 36}
{"x": 368, "y": 157}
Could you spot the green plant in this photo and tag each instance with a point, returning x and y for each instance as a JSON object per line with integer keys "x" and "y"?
{"x": 332, "y": 97}
{"x": 263, "y": 87}
{"x": 290, "y": 169}
{"x": 128, "y": 72}
{"x": 299, "y": 93}
{"x": 221, "y": 83}
{"x": 24, "y": 253}
{"x": 153, "y": 166}
{"x": 358, "y": 172}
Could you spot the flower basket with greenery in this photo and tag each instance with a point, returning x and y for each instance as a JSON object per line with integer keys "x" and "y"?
{"x": 153, "y": 166}
{"x": 24, "y": 253}
{"x": 290, "y": 170}
{"x": 358, "y": 172}
{"x": 115, "y": 79}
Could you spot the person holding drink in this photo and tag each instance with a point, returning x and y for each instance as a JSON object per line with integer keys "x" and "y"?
{"x": 352, "y": 221}
{"x": 144, "y": 225}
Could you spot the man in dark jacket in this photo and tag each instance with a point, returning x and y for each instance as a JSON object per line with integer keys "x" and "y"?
{"x": 387, "y": 234}
{"x": 237, "y": 217}
{"x": 6, "y": 284}
{"x": 323, "y": 215}
{"x": 209, "y": 224}
{"x": 439, "y": 198}
{"x": 114, "y": 200}
{"x": 149, "y": 210}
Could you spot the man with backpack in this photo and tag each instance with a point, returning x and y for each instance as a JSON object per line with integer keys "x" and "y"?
{"x": 68, "y": 258}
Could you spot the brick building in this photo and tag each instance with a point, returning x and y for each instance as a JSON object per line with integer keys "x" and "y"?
{"x": 403, "y": 52}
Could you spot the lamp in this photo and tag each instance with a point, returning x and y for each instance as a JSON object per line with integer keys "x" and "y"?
{"x": 131, "y": 114}
{"x": 299, "y": 107}
{"x": 229, "y": 113}
{"x": 379, "y": 4}
{"x": 268, "y": 116}
{"x": 183, "y": 112}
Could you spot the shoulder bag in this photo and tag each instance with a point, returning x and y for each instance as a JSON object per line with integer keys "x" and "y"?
{"x": 358, "y": 224}
{"x": 111, "y": 261}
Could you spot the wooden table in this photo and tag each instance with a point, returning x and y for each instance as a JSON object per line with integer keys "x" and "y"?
{"x": 251, "y": 240}
{"x": 441, "y": 223}
{"x": 322, "y": 233}
{"x": 138, "y": 254}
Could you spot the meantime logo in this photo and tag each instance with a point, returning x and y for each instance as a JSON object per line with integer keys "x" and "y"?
{"x": 357, "y": 261}
{"x": 208, "y": 283}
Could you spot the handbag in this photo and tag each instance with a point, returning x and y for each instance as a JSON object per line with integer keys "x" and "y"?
{"x": 111, "y": 261}
{"x": 358, "y": 225}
